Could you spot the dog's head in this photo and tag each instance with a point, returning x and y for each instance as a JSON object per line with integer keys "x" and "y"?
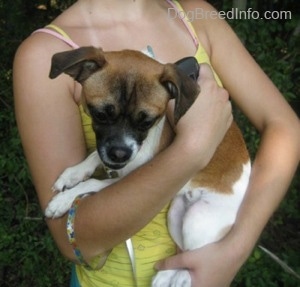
{"x": 126, "y": 94}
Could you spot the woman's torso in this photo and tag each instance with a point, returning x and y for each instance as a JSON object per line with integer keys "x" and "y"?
{"x": 170, "y": 40}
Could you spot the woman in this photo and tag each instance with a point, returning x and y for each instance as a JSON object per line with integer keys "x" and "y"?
{"x": 55, "y": 136}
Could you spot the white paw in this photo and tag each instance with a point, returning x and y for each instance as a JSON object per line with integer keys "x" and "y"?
{"x": 163, "y": 278}
{"x": 60, "y": 204}
{"x": 182, "y": 278}
{"x": 172, "y": 278}
{"x": 71, "y": 177}
{"x": 78, "y": 173}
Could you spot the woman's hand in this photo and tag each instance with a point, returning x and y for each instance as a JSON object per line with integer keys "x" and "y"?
{"x": 204, "y": 125}
{"x": 214, "y": 265}
{"x": 201, "y": 130}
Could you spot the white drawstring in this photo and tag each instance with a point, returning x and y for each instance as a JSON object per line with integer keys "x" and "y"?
{"x": 130, "y": 251}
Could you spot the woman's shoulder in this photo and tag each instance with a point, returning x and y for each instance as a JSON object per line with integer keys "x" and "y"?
{"x": 196, "y": 5}
{"x": 32, "y": 63}
{"x": 41, "y": 43}
{"x": 207, "y": 21}
{"x": 199, "y": 14}
{"x": 31, "y": 68}
{"x": 37, "y": 45}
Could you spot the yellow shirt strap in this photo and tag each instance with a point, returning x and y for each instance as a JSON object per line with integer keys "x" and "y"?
{"x": 176, "y": 5}
{"x": 58, "y": 30}
{"x": 58, "y": 33}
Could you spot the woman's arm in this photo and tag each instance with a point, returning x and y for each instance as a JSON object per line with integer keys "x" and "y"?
{"x": 275, "y": 162}
{"x": 51, "y": 132}
{"x": 279, "y": 153}
{"x": 48, "y": 121}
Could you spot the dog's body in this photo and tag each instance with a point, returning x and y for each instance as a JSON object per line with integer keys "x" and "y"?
{"x": 130, "y": 126}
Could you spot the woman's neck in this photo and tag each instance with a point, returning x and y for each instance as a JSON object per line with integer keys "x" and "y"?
{"x": 127, "y": 24}
{"x": 120, "y": 10}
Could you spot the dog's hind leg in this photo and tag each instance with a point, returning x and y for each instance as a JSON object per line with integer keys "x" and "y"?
{"x": 208, "y": 220}
{"x": 175, "y": 219}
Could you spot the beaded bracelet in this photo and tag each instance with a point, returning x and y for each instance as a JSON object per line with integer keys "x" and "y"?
{"x": 71, "y": 231}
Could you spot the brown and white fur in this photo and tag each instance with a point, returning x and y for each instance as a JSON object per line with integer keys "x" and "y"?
{"x": 126, "y": 94}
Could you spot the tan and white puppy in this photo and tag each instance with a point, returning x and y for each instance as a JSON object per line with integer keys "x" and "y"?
{"x": 126, "y": 94}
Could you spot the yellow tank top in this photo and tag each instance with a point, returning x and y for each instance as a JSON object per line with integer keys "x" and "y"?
{"x": 150, "y": 244}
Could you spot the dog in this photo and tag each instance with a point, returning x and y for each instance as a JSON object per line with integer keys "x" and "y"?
{"x": 126, "y": 93}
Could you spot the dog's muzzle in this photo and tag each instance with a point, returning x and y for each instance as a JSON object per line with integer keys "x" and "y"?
{"x": 117, "y": 154}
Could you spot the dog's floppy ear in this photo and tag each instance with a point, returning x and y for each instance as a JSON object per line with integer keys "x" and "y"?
{"x": 181, "y": 88}
{"x": 79, "y": 63}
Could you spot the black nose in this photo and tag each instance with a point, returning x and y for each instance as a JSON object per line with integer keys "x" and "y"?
{"x": 119, "y": 154}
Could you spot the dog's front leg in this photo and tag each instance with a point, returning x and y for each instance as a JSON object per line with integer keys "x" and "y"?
{"x": 78, "y": 173}
{"x": 62, "y": 201}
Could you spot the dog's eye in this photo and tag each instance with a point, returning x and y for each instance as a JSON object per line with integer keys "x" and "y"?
{"x": 100, "y": 116}
{"x": 110, "y": 111}
{"x": 105, "y": 115}
{"x": 145, "y": 122}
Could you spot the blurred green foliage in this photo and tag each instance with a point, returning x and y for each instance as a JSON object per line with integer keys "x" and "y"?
{"x": 28, "y": 256}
